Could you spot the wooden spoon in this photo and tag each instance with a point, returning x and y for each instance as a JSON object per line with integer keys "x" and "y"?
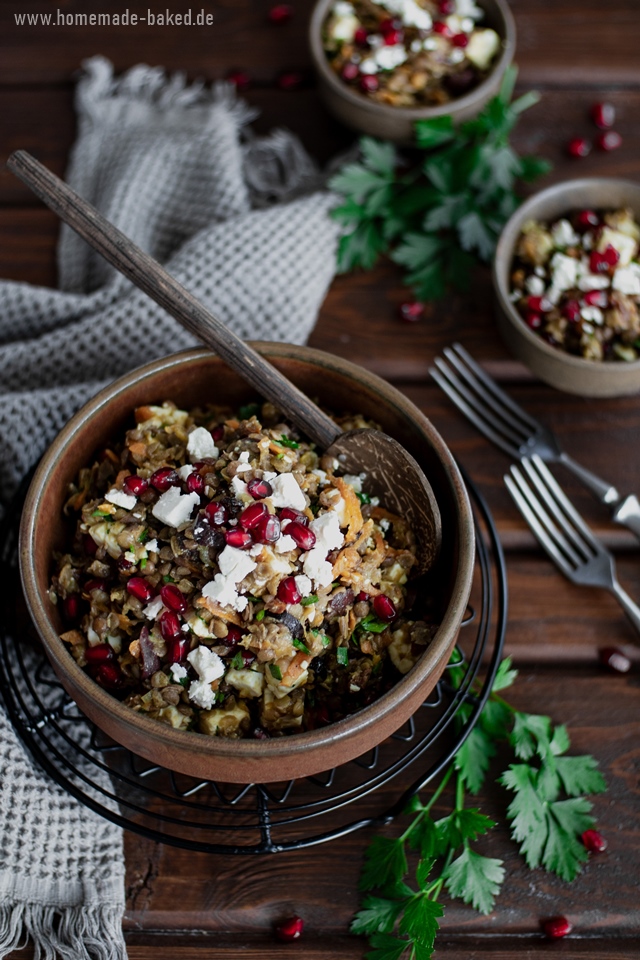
{"x": 392, "y": 473}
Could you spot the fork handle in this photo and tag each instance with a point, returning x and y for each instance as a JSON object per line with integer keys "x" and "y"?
{"x": 605, "y": 492}
{"x": 631, "y": 609}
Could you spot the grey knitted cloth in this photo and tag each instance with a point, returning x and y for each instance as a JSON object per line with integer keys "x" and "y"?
{"x": 240, "y": 221}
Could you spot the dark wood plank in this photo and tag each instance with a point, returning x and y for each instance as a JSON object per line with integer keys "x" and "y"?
{"x": 555, "y": 43}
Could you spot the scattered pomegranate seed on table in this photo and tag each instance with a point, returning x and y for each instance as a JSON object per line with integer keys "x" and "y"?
{"x": 411, "y": 311}
{"x": 579, "y": 147}
{"x": 242, "y": 81}
{"x": 594, "y": 841}
{"x": 290, "y": 80}
{"x": 556, "y": 927}
{"x": 290, "y": 929}
{"x": 603, "y": 115}
{"x": 369, "y": 83}
{"x": 615, "y": 660}
{"x": 280, "y": 13}
{"x": 609, "y": 141}
{"x": 288, "y": 591}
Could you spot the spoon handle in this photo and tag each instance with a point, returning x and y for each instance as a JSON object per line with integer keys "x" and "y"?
{"x": 146, "y": 273}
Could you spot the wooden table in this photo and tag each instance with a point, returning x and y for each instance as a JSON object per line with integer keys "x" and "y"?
{"x": 185, "y": 905}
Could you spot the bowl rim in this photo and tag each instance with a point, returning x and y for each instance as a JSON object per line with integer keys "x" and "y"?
{"x": 410, "y": 113}
{"x": 243, "y": 749}
{"x": 504, "y": 256}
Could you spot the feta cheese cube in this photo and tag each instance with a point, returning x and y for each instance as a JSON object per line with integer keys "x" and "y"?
{"x": 186, "y": 471}
{"x": 482, "y": 48}
{"x": 200, "y": 445}
{"x": 202, "y": 695}
{"x": 287, "y": 492}
{"x": 284, "y": 544}
{"x": 174, "y": 508}
{"x": 154, "y": 608}
{"x": 206, "y": 663}
{"x": 178, "y": 672}
{"x": 303, "y": 584}
{"x": 563, "y": 234}
{"x": 235, "y": 564}
{"x": 564, "y": 272}
{"x": 627, "y": 280}
{"x": 121, "y": 499}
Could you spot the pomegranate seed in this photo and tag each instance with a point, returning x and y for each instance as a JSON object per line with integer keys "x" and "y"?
{"x": 216, "y": 513}
{"x": 288, "y": 513}
{"x": 238, "y": 538}
{"x": 611, "y": 255}
{"x": 609, "y": 140}
{"x": 173, "y": 598}
{"x": 556, "y": 927}
{"x": 267, "y": 530}
{"x": 177, "y": 650}
{"x": 533, "y": 320}
{"x": 247, "y": 657}
{"x": 288, "y": 591}
{"x": 252, "y": 515}
{"x": 360, "y": 37}
{"x": 260, "y": 734}
{"x": 411, "y": 311}
{"x": 596, "y": 298}
{"x": 170, "y": 626}
{"x": 587, "y": 219}
{"x": 538, "y": 304}
{"x": 108, "y": 675}
{"x": 362, "y": 596}
{"x": 280, "y": 13}
{"x": 384, "y": 607}
{"x": 164, "y": 478}
{"x": 124, "y": 564}
{"x": 140, "y": 588}
{"x": 392, "y": 37}
{"x": 594, "y": 841}
{"x": 101, "y": 653}
{"x": 571, "y": 311}
{"x": 390, "y": 24}
{"x": 71, "y": 608}
{"x": 579, "y": 147}
{"x": 218, "y": 432}
{"x": 603, "y": 115}
{"x": 460, "y": 39}
{"x": 233, "y": 637}
{"x": 259, "y": 489}
{"x": 447, "y": 8}
{"x": 441, "y": 28}
{"x": 97, "y": 584}
{"x": 369, "y": 83}
{"x": 135, "y": 485}
{"x": 290, "y": 81}
{"x": 195, "y": 483}
{"x": 304, "y": 537}
{"x": 350, "y": 72}
{"x": 615, "y": 660}
{"x": 89, "y": 545}
{"x": 242, "y": 81}
{"x": 290, "y": 929}
{"x": 600, "y": 262}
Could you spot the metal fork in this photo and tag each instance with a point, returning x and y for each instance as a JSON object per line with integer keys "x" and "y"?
{"x": 563, "y": 533}
{"x": 512, "y": 429}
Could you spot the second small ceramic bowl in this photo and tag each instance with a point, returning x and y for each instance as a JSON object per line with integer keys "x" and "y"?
{"x": 569, "y": 373}
{"x": 396, "y": 123}
{"x": 199, "y": 377}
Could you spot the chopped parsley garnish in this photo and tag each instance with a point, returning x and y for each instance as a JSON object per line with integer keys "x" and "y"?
{"x": 372, "y": 624}
{"x": 168, "y": 580}
{"x": 326, "y": 641}
{"x": 143, "y": 563}
{"x": 260, "y": 615}
{"x": 276, "y": 672}
{"x": 237, "y": 663}
{"x": 286, "y": 442}
{"x": 363, "y": 497}
{"x": 249, "y": 410}
{"x": 299, "y": 645}
{"x": 99, "y": 513}
{"x": 312, "y": 598}
{"x": 342, "y": 656}
{"x": 144, "y": 536}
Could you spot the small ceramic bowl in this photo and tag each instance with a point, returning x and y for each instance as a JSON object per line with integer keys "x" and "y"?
{"x": 572, "y": 374}
{"x": 396, "y": 123}
{"x": 198, "y": 377}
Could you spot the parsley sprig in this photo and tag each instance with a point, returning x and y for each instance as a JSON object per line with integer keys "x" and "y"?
{"x": 547, "y": 815}
{"x": 437, "y": 214}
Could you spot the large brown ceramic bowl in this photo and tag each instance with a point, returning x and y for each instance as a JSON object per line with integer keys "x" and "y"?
{"x": 587, "y": 378}
{"x": 396, "y": 123}
{"x": 198, "y": 377}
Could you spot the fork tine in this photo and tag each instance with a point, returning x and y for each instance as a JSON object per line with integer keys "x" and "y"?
{"x": 554, "y": 489}
{"x": 530, "y": 422}
{"x": 538, "y": 484}
{"x": 541, "y": 534}
{"x": 548, "y": 520}
{"x": 447, "y": 381}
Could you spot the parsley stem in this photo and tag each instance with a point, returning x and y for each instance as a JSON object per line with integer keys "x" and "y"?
{"x": 425, "y": 810}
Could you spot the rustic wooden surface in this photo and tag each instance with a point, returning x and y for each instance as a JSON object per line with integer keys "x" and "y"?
{"x": 185, "y": 905}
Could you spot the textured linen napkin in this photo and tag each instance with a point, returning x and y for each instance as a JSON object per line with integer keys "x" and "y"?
{"x": 242, "y": 223}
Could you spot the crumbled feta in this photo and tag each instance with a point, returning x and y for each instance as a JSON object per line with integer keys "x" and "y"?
{"x": 234, "y": 564}
{"x": 284, "y": 544}
{"x": 390, "y": 57}
{"x": 384, "y": 524}
{"x": 244, "y": 457}
{"x": 151, "y": 546}
{"x": 243, "y": 468}
{"x": 131, "y": 557}
{"x": 174, "y": 508}
{"x": 92, "y": 637}
{"x": 323, "y": 480}
{"x": 627, "y": 280}
{"x": 327, "y": 530}
{"x": 201, "y": 693}
{"x": 206, "y": 663}
{"x": 186, "y": 471}
{"x": 553, "y": 295}
{"x": 239, "y": 487}
{"x": 343, "y": 8}
{"x": 255, "y": 550}
{"x": 344, "y": 24}
{"x": 316, "y": 567}
{"x": 303, "y": 584}
{"x": 467, "y": 24}
{"x": 457, "y": 55}
{"x": 269, "y": 475}
{"x": 564, "y": 271}
{"x": 539, "y": 272}
{"x": 534, "y": 285}
{"x": 482, "y": 48}
{"x": 563, "y": 234}
{"x": 368, "y": 66}
{"x": 121, "y": 499}
{"x": 154, "y": 608}
{"x": 593, "y": 281}
{"x": 178, "y": 672}
{"x": 287, "y": 492}
{"x": 200, "y": 445}
{"x": 416, "y": 46}
{"x": 411, "y": 13}
{"x": 468, "y": 8}
{"x": 430, "y": 44}
{"x": 622, "y": 242}
{"x": 198, "y": 626}
{"x": 592, "y": 315}
{"x": 247, "y": 682}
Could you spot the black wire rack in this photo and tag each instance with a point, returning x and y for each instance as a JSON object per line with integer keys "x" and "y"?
{"x": 253, "y": 818}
